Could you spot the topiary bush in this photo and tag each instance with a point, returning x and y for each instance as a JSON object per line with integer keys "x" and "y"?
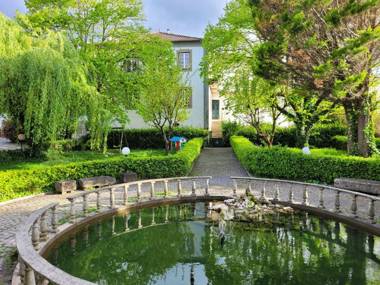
{"x": 22, "y": 182}
{"x": 291, "y": 164}
{"x": 149, "y": 138}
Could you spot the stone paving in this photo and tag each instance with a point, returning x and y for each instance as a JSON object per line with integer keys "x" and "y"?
{"x": 221, "y": 164}
{"x": 5, "y": 144}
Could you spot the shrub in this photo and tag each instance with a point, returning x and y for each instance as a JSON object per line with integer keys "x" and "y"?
{"x": 340, "y": 142}
{"x": 149, "y": 138}
{"x": 18, "y": 183}
{"x": 321, "y": 135}
{"x": 287, "y": 163}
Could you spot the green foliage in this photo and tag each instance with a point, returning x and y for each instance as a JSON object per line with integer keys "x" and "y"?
{"x": 287, "y": 163}
{"x": 149, "y": 138}
{"x": 327, "y": 48}
{"x": 164, "y": 99}
{"x": 106, "y": 33}
{"x": 43, "y": 85}
{"x": 340, "y": 142}
{"x": 321, "y": 136}
{"x": 22, "y": 182}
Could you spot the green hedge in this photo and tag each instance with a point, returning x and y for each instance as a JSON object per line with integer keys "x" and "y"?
{"x": 287, "y": 163}
{"x": 340, "y": 142}
{"x": 18, "y": 183}
{"x": 321, "y": 135}
{"x": 149, "y": 138}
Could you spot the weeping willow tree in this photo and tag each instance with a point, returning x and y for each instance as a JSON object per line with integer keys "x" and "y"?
{"x": 43, "y": 86}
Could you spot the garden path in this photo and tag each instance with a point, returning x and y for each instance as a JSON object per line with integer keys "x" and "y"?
{"x": 220, "y": 163}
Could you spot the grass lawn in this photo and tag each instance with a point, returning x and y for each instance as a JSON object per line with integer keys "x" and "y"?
{"x": 76, "y": 156}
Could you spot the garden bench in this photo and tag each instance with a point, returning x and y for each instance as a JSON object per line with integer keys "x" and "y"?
{"x": 66, "y": 186}
{"x": 96, "y": 182}
{"x": 365, "y": 186}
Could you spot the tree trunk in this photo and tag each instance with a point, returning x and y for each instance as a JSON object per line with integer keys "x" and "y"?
{"x": 361, "y": 133}
{"x": 302, "y": 134}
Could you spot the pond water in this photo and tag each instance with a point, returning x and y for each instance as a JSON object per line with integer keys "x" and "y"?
{"x": 178, "y": 244}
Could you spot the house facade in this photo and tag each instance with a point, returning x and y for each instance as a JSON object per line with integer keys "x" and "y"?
{"x": 205, "y": 108}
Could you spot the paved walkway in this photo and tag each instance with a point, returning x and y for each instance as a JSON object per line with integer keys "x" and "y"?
{"x": 220, "y": 163}
{"x": 5, "y": 144}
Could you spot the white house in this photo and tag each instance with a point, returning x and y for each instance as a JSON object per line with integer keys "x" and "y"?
{"x": 206, "y": 107}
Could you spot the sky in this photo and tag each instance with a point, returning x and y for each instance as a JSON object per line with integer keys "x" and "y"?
{"x": 188, "y": 17}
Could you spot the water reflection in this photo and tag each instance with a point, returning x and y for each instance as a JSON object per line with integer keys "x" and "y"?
{"x": 176, "y": 245}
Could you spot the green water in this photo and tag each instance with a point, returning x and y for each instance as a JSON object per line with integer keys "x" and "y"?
{"x": 182, "y": 247}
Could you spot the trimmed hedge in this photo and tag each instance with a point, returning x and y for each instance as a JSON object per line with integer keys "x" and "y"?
{"x": 18, "y": 183}
{"x": 149, "y": 138}
{"x": 321, "y": 136}
{"x": 340, "y": 142}
{"x": 292, "y": 164}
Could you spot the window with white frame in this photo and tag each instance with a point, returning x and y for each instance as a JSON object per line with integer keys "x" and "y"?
{"x": 184, "y": 59}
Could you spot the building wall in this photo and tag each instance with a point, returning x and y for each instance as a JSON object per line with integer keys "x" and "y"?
{"x": 197, "y": 112}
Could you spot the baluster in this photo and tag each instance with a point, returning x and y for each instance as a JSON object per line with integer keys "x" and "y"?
{"x": 179, "y": 188}
{"x": 113, "y": 231}
{"x": 207, "y": 189}
{"x": 86, "y": 236}
{"x": 127, "y": 222}
{"x": 54, "y": 223}
{"x": 73, "y": 245}
{"x": 98, "y": 205}
{"x": 85, "y": 204}
{"x": 99, "y": 227}
{"x": 139, "y": 220}
{"x": 371, "y": 212}
{"x": 167, "y": 214}
{"x": 152, "y": 189}
{"x": 354, "y": 206}
{"x": 125, "y": 197}
{"x": 153, "y": 216}
{"x": 234, "y": 190}
{"x": 21, "y": 270}
{"x": 112, "y": 197}
{"x": 166, "y": 190}
{"x": 30, "y": 278}
{"x": 193, "y": 188}
{"x": 321, "y": 198}
{"x": 277, "y": 193}
{"x": 72, "y": 210}
{"x": 138, "y": 193}
{"x": 35, "y": 235}
{"x": 305, "y": 196}
{"x": 43, "y": 228}
{"x": 249, "y": 188}
{"x": 291, "y": 195}
{"x": 337, "y": 202}
{"x": 263, "y": 197}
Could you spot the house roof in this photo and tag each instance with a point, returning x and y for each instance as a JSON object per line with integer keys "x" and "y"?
{"x": 177, "y": 38}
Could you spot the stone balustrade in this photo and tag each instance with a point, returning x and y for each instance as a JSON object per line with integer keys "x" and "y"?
{"x": 42, "y": 225}
{"x": 297, "y": 194}
{"x": 46, "y": 224}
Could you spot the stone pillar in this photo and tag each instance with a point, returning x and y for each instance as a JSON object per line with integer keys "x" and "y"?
{"x": 30, "y": 278}
{"x": 54, "y": 224}
{"x": 35, "y": 235}
{"x": 43, "y": 228}
{"x": 179, "y": 188}
{"x": 193, "y": 188}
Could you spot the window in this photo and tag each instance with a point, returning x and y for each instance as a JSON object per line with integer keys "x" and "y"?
{"x": 215, "y": 109}
{"x": 184, "y": 59}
